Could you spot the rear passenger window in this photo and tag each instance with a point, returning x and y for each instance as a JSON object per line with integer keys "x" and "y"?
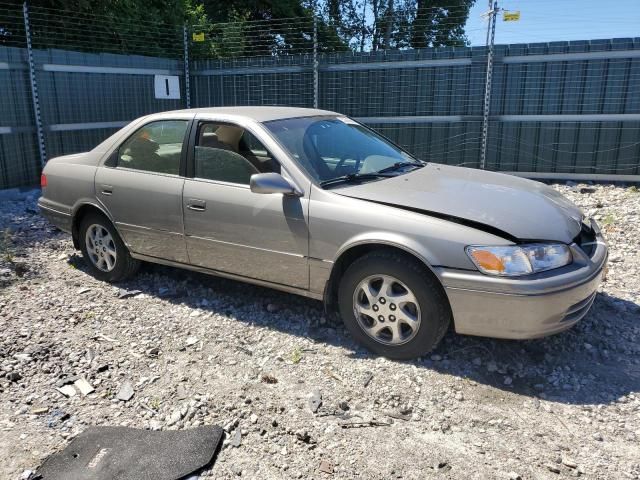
{"x": 229, "y": 153}
{"x": 156, "y": 147}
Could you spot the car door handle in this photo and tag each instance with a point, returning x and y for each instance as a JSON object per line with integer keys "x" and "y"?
{"x": 106, "y": 189}
{"x": 196, "y": 205}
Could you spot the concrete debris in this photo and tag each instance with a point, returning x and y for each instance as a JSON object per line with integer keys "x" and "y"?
{"x": 83, "y": 386}
{"x": 126, "y": 392}
{"x": 315, "y": 400}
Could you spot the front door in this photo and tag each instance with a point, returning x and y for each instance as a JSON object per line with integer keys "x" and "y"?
{"x": 229, "y": 228}
{"x": 141, "y": 187}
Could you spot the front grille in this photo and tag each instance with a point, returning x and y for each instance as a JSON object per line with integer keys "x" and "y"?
{"x": 580, "y": 309}
{"x": 586, "y": 240}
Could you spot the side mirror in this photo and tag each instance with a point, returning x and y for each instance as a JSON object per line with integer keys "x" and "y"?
{"x": 271, "y": 183}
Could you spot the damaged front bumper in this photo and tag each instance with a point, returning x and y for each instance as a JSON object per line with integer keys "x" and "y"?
{"x": 528, "y": 307}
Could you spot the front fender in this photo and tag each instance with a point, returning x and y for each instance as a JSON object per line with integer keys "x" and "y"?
{"x": 390, "y": 239}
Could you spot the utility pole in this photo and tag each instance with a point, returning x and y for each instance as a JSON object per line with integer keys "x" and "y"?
{"x": 491, "y": 33}
{"x": 34, "y": 87}
{"x": 187, "y": 80}
{"x": 315, "y": 59}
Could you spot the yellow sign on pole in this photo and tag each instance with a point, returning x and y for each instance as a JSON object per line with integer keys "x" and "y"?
{"x": 198, "y": 37}
{"x": 510, "y": 16}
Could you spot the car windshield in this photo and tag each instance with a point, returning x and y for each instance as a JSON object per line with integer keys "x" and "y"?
{"x": 335, "y": 148}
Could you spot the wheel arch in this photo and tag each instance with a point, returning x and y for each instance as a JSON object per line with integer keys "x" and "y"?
{"x": 346, "y": 256}
{"x": 80, "y": 210}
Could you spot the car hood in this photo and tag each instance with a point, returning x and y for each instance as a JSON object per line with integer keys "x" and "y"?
{"x": 524, "y": 209}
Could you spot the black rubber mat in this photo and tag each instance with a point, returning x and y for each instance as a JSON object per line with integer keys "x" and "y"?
{"x": 121, "y": 453}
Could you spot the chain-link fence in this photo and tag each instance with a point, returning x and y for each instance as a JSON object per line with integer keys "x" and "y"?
{"x": 565, "y": 109}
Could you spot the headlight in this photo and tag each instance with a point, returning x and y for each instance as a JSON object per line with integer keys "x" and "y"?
{"x": 511, "y": 261}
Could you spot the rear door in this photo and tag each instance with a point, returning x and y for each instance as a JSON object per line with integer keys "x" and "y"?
{"x": 141, "y": 186}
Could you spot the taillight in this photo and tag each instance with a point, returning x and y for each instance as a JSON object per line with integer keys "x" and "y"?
{"x": 43, "y": 180}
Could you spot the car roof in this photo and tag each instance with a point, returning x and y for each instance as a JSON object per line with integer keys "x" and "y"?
{"x": 258, "y": 113}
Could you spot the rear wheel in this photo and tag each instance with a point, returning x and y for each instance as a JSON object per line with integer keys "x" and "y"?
{"x": 104, "y": 251}
{"x": 392, "y": 305}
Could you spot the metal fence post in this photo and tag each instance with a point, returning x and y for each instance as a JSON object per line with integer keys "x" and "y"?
{"x": 187, "y": 80}
{"x": 315, "y": 61}
{"x": 34, "y": 87}
{"x": 491, "y": 33}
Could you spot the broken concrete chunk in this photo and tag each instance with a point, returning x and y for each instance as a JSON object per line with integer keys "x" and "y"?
{"x": 175, "y": 417}
{"x": 83, "y": 386}
{"x": 128, "y": 293}
{"x": 236, "y": 438}
{"x": 315, "y": 401}
{"x": 326, "y": 467}
{"x": 67, "y": 390}
{"x": 125, "y": 393}
{"x": 181, "y": 392}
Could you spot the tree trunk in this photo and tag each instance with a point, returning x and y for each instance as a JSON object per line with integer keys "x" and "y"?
{"x": 363, "y": 31}
{"x": 389, "y": 29}
{"x": 419, "y": 30}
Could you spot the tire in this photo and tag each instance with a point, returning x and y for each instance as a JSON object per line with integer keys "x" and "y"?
{"x": 407, "y": 329}
{"x": 105, "y": 266}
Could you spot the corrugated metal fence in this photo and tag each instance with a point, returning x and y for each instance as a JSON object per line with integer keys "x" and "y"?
{"x": 567, "y": 107}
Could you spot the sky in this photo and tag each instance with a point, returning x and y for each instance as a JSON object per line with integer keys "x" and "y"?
{"x": 549, "y": 20}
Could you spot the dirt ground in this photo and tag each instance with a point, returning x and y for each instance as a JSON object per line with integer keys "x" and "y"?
{"x": 200, "y": 350}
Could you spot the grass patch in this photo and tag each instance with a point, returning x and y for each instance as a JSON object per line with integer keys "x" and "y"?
{"x": 609, "y": 219}
{"x": 296, "y": 355}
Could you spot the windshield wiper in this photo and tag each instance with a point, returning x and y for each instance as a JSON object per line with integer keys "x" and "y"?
{"x": 399, "y": 165}
{"x": 352, "y": 178}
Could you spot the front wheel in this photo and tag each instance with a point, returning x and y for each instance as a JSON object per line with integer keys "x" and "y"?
{"x": 103, "y": 250}
{"x": 392, "y": 305}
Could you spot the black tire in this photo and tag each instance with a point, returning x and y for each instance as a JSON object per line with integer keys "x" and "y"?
{"x": 435, "y": 312}
{"x": 125, "y": 266}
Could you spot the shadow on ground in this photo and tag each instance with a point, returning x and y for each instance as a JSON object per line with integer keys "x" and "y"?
{"x": 596, "y": 362}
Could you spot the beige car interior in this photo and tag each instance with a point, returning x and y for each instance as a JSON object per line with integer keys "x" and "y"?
{"x": 222, "y": 153}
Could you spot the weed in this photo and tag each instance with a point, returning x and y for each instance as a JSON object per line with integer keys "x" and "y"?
{"x": 154, "y": 404}
{"x": 296, "y": 355}
{"x": 609, "y": 219}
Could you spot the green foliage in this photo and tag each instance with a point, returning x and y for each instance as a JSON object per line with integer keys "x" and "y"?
{"x": 296, "y": 355}
{"x": 236, "y": 28}
{"x": 609, "y": 219}
{"x": 396, "y": 24}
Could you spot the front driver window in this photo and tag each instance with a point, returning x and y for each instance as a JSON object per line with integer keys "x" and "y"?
{"x": 229, "y": 153}
{"x": 156, "y": 147}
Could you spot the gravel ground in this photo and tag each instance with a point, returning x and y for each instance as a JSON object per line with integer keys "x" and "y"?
{"x": 200, "y": 350}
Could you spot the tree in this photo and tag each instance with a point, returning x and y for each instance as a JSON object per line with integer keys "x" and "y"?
{"x": 439, "y": 23}
{"x": 236, "y": 28}
{"x": 391, "y": 24}
{"x": 145, "y": 27}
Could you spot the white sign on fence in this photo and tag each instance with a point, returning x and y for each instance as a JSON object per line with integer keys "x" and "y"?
{"x": 167, "y": 86}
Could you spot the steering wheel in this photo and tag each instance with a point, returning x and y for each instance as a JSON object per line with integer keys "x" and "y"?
{"x": 355, "y": 155}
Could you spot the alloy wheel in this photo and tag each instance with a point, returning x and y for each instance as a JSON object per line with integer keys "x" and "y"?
{"x": 386, "y": 309}
{"x": 101, "y": 248}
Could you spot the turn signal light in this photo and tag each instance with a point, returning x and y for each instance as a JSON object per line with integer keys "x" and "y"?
{"x": 43, "y": 180}
{"x": 488, "y": 261}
